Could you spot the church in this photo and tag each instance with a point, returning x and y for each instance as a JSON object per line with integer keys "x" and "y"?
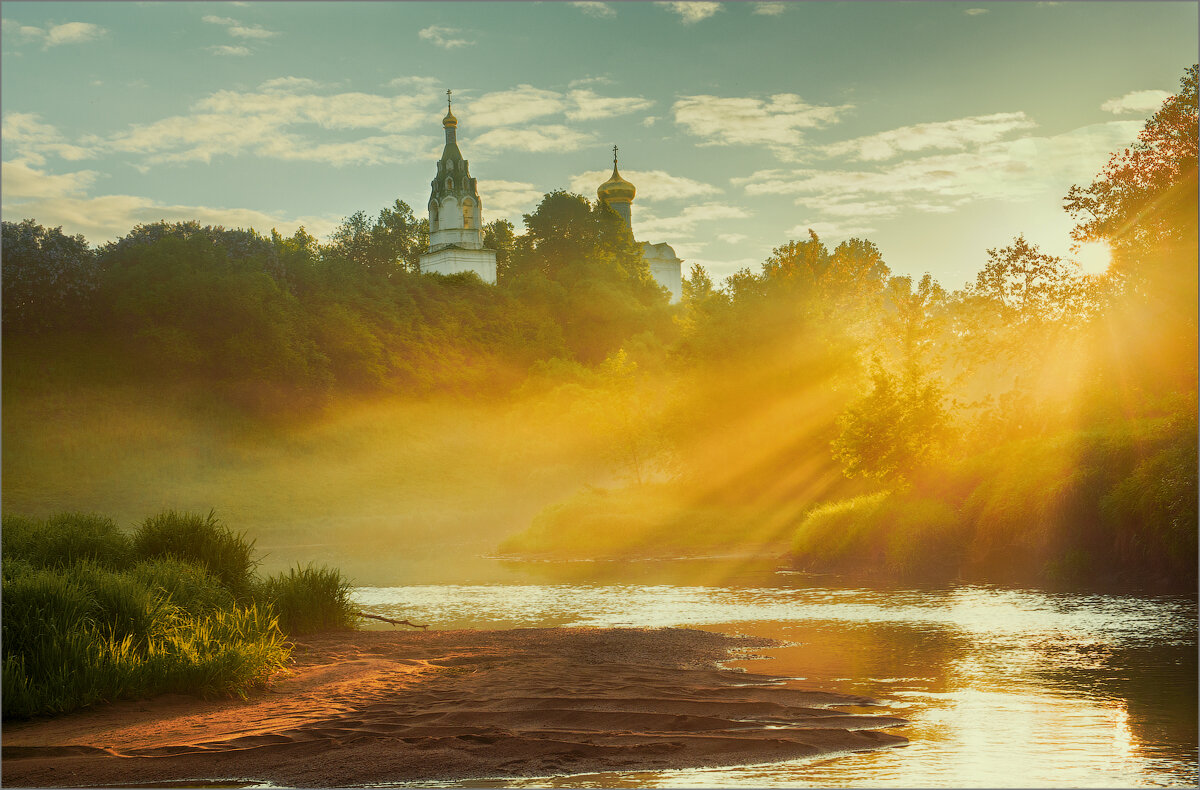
{"x": 456, "y": 220}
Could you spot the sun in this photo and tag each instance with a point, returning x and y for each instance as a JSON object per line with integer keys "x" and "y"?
{"x": 1094, "y": 257}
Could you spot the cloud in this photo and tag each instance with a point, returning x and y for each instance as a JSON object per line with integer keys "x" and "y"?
{"x": 31, "y": 141}
{"x": 441, "y": 36}
{"x": 829, "y": 231}
{"x": 518, "y": 105}
{"x": 975, "y": 11}
{"x": 19, "y": 182}
{"x": 237, "y": 29}
{"x": 769, "y": 9}
{"x": 540, "y": 139}
{"x": 268, "y": 123}
{"x": 1142, "y": 102}
{"x": 649, "y": 120}
{"x": 291, "y": 85}
{"x": 590, "y": 107}
{"x": 650, "y": 225}
{"x": 110, "y": 217}
{"x": 652, "y": 185}
{"x": 226, "y": 49}
{"x": 508, "y": 199}
{"x": 599, "y": 10}
{"x": 692, "y": 11}
{"x": 776, "y": 124}
{"x": 73, "y": 33}
{"x": 957, "y": 134}
{"x": 732, "y": 238}
{"x": 589, "y": 81}
{"x": 1012, "y": 170}
{"x": 56, "y": 35}
{"x": 420, "y": 83}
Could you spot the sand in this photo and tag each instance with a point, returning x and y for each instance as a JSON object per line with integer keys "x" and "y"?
{"x": 366, "y": 707}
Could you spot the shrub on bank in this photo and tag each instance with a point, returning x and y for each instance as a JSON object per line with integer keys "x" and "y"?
{"x": 308, "y": 599}
{"x": 92, "y": 615}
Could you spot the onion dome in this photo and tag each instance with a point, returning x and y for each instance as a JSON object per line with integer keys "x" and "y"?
{"x": 616, "y": 188}
{"x": 449, "y": 122}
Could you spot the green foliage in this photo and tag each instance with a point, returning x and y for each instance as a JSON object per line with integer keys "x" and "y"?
{"x": 201, "y": 540}
{"x": 186, "y": 585}
{"x": 896, "y": 536}
{"x": 66, "y": 539}
{"x": 48, "y": 278}
{"x": 308, "y": 599}
{"x": 894, "y": 430}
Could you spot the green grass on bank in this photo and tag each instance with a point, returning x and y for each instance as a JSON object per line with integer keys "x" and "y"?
{"x": 93, "y": 614}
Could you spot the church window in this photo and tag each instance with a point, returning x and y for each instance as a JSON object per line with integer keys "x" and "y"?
{"x": 449, "y": 183}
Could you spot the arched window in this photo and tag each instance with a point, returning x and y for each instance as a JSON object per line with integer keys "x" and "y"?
{"x": 449, "y": 183}
{"x": 468, "y": 209}
{"x": 433, "y": 214}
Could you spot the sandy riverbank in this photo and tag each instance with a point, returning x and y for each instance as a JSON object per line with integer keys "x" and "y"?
{"x": 371, "y": 706}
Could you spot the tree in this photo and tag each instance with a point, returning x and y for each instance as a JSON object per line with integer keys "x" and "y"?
{"x": 897, "y": 428}
{"x": 498, "y": 236}
{"x": 48, "y": 277}
{"x": 384, "y": 245}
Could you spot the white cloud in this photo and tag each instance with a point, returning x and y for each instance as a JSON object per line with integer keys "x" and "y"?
{"x": 1142, "y": 102}
{"x": 975, "y": 11}
{"x": 420, "y": 83}
{"x": 443, "y": 37}
{"x": 649, "y": 120}
{"x": 649, "y": 224}
{"x": 691, "y": 11}
{"x": 253, "y": 31}
{"x": 267, "y": 123}
{"x": 291, "y": 85}
{"x": 776, "y": 124}
{"x": 508, "y": 199}
{"x": 957, "y": 134}
{"x": 518, "y": 105}
{"x": 589, "y": 81}
{"x": 829, "y": 231}
{"x": 31, "y": 141}
{"x": 769, "y": 8}
{"x": 595, "y": 9}
{"x": 590, "y": 107}
{"x": 226, "y": 49}
{"x": 237, "y": 29}
{"x": 1013, "y": 170}
{"x": 73, "y": 33}
{"x": 55, "y": 35}
{"x": 732, "y": 238}
{"x": 109, "y": 217}
{"x": 652, "y": 185}
{"x": 21, "y": 182}
{"x": 540, "y": 139}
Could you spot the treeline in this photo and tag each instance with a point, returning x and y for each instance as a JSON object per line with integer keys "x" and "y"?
{"x": 277, "y": 321}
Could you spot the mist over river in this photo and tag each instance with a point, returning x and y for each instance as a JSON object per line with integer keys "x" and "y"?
{"x": 1001, "y": 687}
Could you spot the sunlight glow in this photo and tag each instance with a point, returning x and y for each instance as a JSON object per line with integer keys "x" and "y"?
{"x": 1094, "y": 257}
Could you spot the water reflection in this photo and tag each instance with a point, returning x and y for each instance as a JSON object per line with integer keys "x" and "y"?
{"x": 1001, "y": 687}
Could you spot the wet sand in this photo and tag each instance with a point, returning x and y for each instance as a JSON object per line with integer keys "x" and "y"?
{"x": 365, "y": 707}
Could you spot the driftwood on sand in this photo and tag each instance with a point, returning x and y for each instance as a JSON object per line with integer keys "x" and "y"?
{"x": 390, "y": 620}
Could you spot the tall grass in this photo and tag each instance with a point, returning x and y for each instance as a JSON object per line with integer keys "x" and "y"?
{"x": 92, "y": 615}
{"x": 202, "y": 540}
{"x": 308, "y": 599}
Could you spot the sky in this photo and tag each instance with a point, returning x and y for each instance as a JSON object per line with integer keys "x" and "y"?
{"x": 937, "y": 130}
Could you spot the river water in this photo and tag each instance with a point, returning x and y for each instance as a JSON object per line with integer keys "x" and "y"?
{"x": 1001, "y": 687}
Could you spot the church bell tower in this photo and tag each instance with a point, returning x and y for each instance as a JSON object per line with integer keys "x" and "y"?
{"x": 455, "y": 214}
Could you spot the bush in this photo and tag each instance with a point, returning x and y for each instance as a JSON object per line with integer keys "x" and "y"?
{"x": 308, "y": 599}
{"x": 66, "y": 539}
{"x": 201, "y": 540}
{"x": 189, "y": 587}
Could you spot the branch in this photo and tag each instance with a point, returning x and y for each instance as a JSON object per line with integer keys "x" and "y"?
{"x": 390, "y": 620}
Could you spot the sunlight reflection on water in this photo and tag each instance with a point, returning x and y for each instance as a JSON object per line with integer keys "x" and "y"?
{"x": 1001, "y": 687}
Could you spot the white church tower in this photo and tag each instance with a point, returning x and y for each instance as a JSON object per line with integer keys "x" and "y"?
{"x": 455, "y": 216}
{"x": 665, "y": 265}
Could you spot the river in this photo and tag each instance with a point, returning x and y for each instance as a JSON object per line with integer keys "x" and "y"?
{"x": 1001, "y": 687}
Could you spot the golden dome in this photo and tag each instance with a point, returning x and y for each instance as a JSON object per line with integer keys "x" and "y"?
{"x": 616, "y": 188}
{"x": 449, "y": 121}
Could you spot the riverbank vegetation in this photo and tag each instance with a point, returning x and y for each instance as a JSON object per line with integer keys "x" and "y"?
{"x": 93, "y": 613}
{"x": 1037, "y": 425}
